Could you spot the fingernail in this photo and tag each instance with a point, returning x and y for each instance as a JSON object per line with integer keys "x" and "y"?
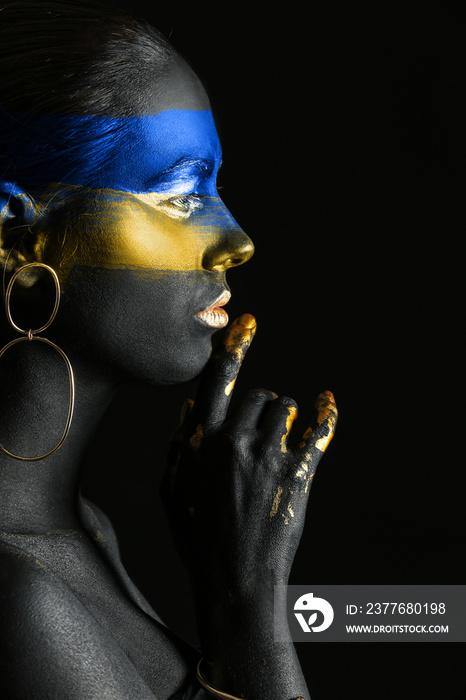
{"x": 245, "y": 320}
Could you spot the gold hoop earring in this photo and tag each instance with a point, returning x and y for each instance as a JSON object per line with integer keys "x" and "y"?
{"x": 31, "y": 335}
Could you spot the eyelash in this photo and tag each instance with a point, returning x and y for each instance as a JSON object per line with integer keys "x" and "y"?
{"x": 180, "y": 206}
{"x": 187, "y": 203}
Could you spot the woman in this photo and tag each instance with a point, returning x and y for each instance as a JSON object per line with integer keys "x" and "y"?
{"x": 109, "y": 160}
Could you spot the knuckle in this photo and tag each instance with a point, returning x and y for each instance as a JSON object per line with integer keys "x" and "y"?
{"x": 260, "y": 395}
{"x": 241, "y": 442}
{"x": 269, "y": 453}
{"x": 286, "y": 402}
{"x": 226, "y": 367}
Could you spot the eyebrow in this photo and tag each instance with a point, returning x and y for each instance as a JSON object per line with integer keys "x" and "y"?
{"x": 183, "y": 166}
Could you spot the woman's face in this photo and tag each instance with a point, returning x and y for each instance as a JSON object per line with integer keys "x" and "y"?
{"x": 142, "y": 255}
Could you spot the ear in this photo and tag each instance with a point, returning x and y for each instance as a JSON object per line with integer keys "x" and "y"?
{"x": 18, "y": 213}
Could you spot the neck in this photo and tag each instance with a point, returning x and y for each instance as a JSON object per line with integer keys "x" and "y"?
{"x": 42, "y": 496}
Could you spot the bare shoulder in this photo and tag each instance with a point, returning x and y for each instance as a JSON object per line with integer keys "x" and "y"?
{"x": 102, "y": 532}
{"x": 50, "y": 645}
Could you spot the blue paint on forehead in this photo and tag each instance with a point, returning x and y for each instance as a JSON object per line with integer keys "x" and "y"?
{"x": 132, "y": 154}
{"x": 155, "y": 144}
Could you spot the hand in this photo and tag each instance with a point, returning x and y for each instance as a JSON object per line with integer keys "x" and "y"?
{"x": 236, "y": 490}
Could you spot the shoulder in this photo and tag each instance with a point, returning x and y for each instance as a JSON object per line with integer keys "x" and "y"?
{"x": 21, "y": 579}
{"x": 101, "y": 530}
{"x": 50, "y": 645}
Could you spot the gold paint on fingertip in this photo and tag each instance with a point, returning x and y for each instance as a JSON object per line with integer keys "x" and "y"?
{"x": 326, "y": 408}
{"x": 246, "y": 321}
{"x": 292, "y": 415}
{"x": 276, "y": 502}
{"x": 237, "y": 339}
{"x": 327, "y": 413}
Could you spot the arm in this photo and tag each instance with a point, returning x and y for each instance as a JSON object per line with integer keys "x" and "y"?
{"x": 237, "y": 494}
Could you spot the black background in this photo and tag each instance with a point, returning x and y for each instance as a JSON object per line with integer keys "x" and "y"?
{"x": 342, "y": 131}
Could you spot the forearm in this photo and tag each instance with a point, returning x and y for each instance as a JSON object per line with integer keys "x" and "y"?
{"x": 253, "y": 666}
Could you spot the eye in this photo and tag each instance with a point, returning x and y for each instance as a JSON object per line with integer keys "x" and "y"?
{"x": 186, "y": 203}
{"x": 179, "y": 206}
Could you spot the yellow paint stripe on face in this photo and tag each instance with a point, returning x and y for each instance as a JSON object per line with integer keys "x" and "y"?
{"x": 120, "y": 230}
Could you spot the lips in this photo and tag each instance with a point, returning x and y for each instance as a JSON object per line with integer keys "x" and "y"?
{"x": 215, "y": 316}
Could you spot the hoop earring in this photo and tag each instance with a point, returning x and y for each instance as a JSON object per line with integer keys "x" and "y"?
{"x": 31, "y": 335}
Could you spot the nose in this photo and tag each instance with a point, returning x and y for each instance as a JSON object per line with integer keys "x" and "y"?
{"x": 232, "y": 247}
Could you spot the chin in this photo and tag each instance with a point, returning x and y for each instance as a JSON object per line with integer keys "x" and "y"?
{"x": 175, "y": 367}
{"x": 181, "y": 375}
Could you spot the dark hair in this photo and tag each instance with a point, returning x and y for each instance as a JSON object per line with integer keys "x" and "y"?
{"x": 74, "y": 57}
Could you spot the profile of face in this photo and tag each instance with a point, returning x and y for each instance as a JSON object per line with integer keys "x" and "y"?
{"x": 142, "y": 251}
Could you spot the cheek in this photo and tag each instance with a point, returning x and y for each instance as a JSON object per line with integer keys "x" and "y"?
{"x": 122, "y": 234}
{"x": 144, "y": 328}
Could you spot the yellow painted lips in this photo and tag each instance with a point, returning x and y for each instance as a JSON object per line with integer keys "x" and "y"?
{"x": 215, "y": 316}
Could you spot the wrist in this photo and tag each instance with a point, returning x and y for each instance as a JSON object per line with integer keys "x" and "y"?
{"x": 244, "y": 630}
{"x": 216, "y": 692}
{"x": 248, "y": 610}
{"x": 241, "y": 654}
{"x": 245, "y": 588}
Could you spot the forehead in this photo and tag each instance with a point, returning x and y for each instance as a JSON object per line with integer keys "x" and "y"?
{"x": 178, "y": 87}
{"x": 130, "y": 151}
{"x": 154, "y": 144}
{"x": 177, "y": 127}
{"x": 122, "y": 153}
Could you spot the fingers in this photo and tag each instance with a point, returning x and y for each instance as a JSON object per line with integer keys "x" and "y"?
{"x": 279, "y": 420}
{"x": 220, "y": 375}
{"x": 250, "y": 409}
{"x": 320, "y": 436}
